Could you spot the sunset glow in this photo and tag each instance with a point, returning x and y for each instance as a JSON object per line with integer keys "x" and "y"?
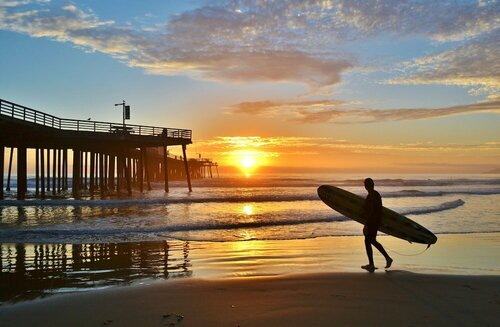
{"x": 247, "y": 155}
{"x": 373, "y": 90}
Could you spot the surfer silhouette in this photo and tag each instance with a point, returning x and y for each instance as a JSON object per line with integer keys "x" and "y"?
{"x": 373, "y": 213}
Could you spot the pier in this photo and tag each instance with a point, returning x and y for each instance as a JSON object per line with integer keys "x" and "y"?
{"x": 105, "y": 158}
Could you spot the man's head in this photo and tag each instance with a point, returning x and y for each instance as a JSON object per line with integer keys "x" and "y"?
{"x": 369, "y": 184}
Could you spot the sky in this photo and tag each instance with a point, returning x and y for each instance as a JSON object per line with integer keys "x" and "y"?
{"x": 350, "y": 86}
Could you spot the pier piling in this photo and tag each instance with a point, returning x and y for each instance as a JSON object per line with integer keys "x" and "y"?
{"x": 21, "y": 172}
{"x": 2, "y": 159}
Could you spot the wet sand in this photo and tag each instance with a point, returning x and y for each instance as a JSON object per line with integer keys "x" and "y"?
{"x": 395, "y": 298}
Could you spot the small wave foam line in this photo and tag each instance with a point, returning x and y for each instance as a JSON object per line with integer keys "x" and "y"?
{"x": 230, "y": 199}
{"x": 57, "y": 233}
{"x": 432, "y": 209}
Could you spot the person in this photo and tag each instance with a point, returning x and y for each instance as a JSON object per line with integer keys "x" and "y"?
{"x": 373, "y": 213}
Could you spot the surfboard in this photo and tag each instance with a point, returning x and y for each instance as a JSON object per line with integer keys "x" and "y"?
{"x": 392, "y": 223}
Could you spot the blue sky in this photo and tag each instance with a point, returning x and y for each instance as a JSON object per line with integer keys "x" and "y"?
{"x": 381, "y": 73}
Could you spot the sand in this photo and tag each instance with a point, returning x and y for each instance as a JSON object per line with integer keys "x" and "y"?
{"x": 395, "y": 298}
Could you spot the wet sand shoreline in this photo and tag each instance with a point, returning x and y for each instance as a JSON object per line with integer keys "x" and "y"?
{"x": 394, "y": 298}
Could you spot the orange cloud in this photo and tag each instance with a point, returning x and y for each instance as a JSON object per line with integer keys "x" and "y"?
{"x": 330, "y": 111}
{"x": 329, "y": 153}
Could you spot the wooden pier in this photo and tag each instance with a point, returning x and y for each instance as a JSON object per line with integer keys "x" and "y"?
{"x": 105, "y": 158}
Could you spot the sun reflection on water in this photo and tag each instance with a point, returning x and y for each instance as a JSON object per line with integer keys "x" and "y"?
{"x": 248, "y": 209}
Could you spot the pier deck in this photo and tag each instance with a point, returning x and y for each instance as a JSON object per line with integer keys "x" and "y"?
{"x": 106, "y": 156}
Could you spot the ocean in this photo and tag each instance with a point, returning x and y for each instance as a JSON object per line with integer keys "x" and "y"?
{"x": 239, "y": 227}
{"x": 256, "y": 208}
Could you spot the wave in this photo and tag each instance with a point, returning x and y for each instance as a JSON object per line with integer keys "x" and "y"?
{"x": 432, "y": 209}
{"x": 74, "y": 232}
{"x": 266, "y": 181}
{"x": 421, "y": 182}
{"x": 274, "y": 197}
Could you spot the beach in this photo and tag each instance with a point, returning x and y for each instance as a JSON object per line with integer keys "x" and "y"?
{"x": 310, "y": 282}
{"x": 259, "y": 252}
{"x": 395, "y": 298}
{"x": 249, "y": 163}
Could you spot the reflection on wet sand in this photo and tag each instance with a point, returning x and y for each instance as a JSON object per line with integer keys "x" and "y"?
{"x": 29, "y": 271}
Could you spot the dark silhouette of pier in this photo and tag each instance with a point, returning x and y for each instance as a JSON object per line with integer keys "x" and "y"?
{"x": 106, "y": 158}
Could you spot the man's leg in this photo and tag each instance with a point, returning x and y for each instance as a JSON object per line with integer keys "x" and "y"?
{"x": 379, "y": 247}
{"x": 369, "y": 251}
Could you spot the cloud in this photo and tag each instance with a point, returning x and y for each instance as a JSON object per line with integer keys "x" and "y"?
{"x": 273, "y": 107}
{"x": 211, "y": 43}
{"x": 330, "y": 111}
{"x": 440, "y": 20}
{"x": 252, "y": 41}
{"x": 474, "y": 64}
{"x": 240, "y": 66}
{"x": 285, "y": 145}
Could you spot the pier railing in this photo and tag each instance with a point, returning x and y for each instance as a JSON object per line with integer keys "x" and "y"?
{"x": 16, "y": 111}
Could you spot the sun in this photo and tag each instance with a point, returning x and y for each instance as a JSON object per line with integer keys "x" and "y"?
{"x": 248, "y": 161}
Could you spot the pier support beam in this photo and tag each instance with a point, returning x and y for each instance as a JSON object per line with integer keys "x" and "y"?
{"x": 54, "y": 171}
{"x": 2, "y": 159}
{"x": 65, "y": 169}
{"x": 165, "y": 168}
{"x": 48, "y": 169}
{"x": 76, "y": 173}
{"x": 42, "y": 172}
{"x": 147, "y": 167}
{"x": 101, "y": 173}
{"x": 59, "y": 170}
{"x": 186, "y": 167}
{"x": 111, "y": 183}
{"x": 85, "y": 169}
{"x": 21, "y": 173}
{"x": 92, "y": 172}
{"x": 37, "y": 171}
{"x": 126, "y": 166}
{"x": 140, "y": 170}
{"x": 9, "y": 172}
{"x": 119, "y": 172}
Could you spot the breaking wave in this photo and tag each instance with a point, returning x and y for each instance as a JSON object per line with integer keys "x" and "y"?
{"x": 95, "y": 232}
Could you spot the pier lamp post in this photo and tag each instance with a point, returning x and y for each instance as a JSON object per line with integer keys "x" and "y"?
{"x": 126, "y": 111}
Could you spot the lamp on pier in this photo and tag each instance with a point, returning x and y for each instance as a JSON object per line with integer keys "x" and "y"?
{"x": 126, "y": 111}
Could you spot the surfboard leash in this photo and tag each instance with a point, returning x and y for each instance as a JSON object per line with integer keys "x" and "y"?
{"x": 409, "y": 255}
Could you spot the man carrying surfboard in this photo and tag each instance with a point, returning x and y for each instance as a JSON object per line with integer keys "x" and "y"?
{"x": 372, "y": 210}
